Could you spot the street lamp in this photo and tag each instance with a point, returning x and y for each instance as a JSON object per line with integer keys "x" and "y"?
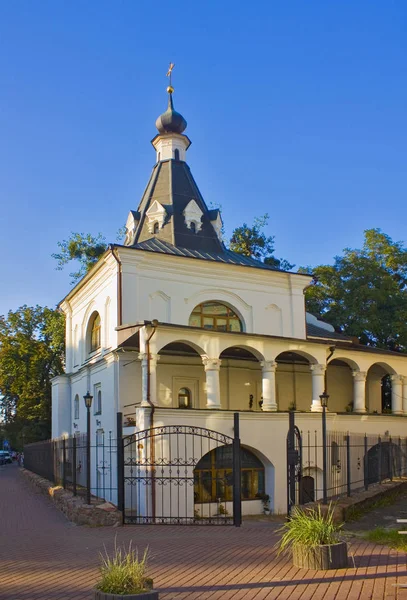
{"x": 324, "y": 403}
{"x": 88, "y": 403}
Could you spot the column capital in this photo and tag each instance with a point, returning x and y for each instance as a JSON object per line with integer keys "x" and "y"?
{"x": 318, "y": 369}
{"x": 211, "y": 364}
{"x": 396, "y": 378}
{"x": 154, "y": 358}
{"x": 359, "y": 375}
{"x": 268, "y": 365}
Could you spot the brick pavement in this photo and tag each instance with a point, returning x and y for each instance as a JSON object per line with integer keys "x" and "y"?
{"x": 43, "y": 556}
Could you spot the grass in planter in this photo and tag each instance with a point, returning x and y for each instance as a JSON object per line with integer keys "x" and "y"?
{"x": 308, "y": 528}
{"x": 388, "y": 537}
{"x": 124, "y": 573}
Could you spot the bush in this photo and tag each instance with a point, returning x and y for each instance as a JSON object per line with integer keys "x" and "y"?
{"x": 124, "y": 573}
{"x": 308, "y": 528}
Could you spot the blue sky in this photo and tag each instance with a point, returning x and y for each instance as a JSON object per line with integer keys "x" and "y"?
{"x": 294, "y": 108}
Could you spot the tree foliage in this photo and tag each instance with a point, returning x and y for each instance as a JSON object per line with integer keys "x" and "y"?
{"x": 364, "y": 293}
{"x": 31, "y": 353}
{"x": 82, "y": 247}
{"x": 253, "y": 242}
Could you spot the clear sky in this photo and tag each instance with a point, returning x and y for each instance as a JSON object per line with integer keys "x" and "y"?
{"x": 296, "y": 108}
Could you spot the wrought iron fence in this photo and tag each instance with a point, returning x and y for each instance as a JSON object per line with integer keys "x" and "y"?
{"x": 354, "y": 462}
{"x": 63, "y": 461}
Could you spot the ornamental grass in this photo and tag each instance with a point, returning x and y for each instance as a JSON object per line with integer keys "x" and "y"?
{"x": 308, "y": 528}
{"x": 123, "y": 572}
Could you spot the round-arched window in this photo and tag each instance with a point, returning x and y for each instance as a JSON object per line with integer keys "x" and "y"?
{"x": 213, "y": 475}
{"x": 95, "y": 333}
{"x": 156, "y": 228}
{"x": 216, "y": 316}
{"x": 184, "y": 398}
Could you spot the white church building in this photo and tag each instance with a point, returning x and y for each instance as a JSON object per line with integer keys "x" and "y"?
{"x": 173, "y": 329}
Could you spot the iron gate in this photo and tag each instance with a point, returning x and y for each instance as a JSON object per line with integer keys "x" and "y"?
{"x": 181, "y": 475}
{"x": 294, "y": 465}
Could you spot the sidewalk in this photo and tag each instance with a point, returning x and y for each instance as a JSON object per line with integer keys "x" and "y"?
{"x": 44, "y": 557}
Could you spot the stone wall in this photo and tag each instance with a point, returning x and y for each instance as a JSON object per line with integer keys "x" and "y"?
{"x": 346, "y": 508}
{"x": 97, "y": 514}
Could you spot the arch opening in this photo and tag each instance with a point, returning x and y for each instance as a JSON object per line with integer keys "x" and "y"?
{"x": 213, "y": 476}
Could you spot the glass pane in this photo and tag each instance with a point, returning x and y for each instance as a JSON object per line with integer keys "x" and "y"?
{"x": 224, "y": 457}
{"x": 246, "y": 484}
{"x": 195, "y": 320}
{"x": 213, "y": 308}
{"x": 249, "y": 460}
{"x": 208, "y": 323}
{"x": 221, "y": 324}
{"x": 224, "y": 489}
{"x": 234, "y": 325}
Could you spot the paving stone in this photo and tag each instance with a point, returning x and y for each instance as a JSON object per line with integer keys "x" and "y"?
{"x": 44, "y": 557}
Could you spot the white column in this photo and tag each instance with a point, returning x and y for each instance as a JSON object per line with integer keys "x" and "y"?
{"x": 318, "y": 386}
{"x": 153, "y": 378}
{"x": 212, "y": 368}
{"x": 405, "y": 395}
{"x": 359, "y": 391}
{"x": 143, "y": 359}
{"x": 396, "y": 395}
{"x": 154, "y": 358}
{"x": 268, "y": 368}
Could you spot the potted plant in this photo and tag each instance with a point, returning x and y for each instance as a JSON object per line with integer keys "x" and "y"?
{"x": 314, "y": 539}
{"x": 123, "y": 576}
{"x": 265, "y": 499}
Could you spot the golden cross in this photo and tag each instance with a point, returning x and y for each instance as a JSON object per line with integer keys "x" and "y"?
{"x": 169, "y": 72}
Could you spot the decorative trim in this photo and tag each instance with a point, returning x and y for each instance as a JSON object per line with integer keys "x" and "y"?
{"x": 211, "y": 364}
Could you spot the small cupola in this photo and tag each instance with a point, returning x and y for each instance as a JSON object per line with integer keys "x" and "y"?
{"x": 171, "y": 121}
{"x": 171, "y": 143}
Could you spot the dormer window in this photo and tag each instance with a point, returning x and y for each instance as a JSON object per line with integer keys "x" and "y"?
{"x": 176, "y": 154}
{"x": 156, "y": 228}
{"x": 193, "y": 216}
{"x": 156, "y": 215}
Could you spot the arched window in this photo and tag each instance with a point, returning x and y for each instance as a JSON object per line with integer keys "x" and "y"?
{"x": 176, "y": 154}
{"x": 95, "y": 331}
{"x": 76, "y": 407}
{"x": 213, "y": 475}
{"x": 184, "y": 398}
{"x": 193, "y": 227}
{"x": 216, "y": 316}
{"x": 98, "y": 402}
{"x": 156, "y": 228}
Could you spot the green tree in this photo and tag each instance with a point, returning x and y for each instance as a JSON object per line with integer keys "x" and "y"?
{"x": 364, "y": 292}
{"x": 84, "y": 248}
{"x": 31, "y": 354}
{"x": 253, "y": 242}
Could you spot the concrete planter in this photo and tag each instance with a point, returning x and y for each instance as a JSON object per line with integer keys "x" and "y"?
{"x": 149, "y": 595}
{"x": 329, "y": 556}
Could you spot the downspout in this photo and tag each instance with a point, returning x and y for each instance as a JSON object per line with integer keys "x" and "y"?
{"x": 119, "y": 287}
{"x": 154, "y": 325}
{"x": 331, "y": 351}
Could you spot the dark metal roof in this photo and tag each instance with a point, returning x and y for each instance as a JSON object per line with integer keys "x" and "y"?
{"x": 320, "y": 332}
{"x": 226, "y": 257}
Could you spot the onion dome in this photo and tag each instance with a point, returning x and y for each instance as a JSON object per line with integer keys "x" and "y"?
{"x": 170, "y": 121}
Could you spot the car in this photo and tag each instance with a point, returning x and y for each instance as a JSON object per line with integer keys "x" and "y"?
{"x": 5, "y": 457}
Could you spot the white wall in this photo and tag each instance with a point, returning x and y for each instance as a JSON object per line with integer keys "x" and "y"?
{"x": 168, "y": 289}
